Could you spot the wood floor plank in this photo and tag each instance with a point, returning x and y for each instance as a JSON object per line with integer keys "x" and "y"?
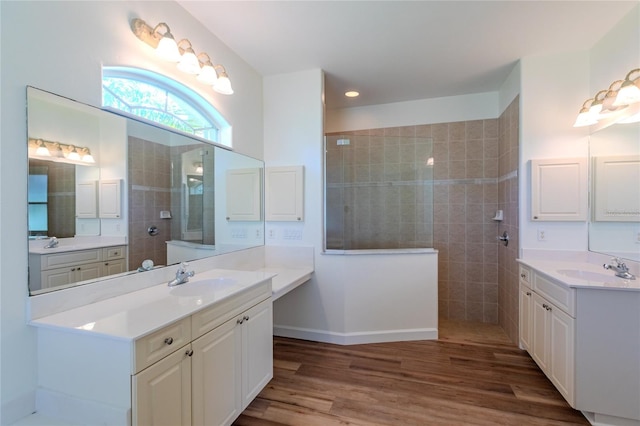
{"x": 461, "y": 379}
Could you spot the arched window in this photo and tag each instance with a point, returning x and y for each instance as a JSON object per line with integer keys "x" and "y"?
{"x": 164, "y": 101}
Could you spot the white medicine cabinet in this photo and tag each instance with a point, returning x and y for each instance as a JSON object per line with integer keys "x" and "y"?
{"x": 559, "y": 189}
{"x": 284, "y": 194}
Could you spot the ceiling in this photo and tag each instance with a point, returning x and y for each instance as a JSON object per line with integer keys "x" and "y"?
{"x": 393, "y": 51}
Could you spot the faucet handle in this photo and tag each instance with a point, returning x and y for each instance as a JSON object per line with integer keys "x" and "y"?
{"x": 183, "y": 266}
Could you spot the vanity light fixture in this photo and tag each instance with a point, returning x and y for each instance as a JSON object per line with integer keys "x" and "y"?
{"x": 61, "y": 152}
{"x": 42, "y": 150}
{"x": 161, "y": 39}
{"x": 613, "y": 103}
{"x": 629, "y": 92}
{"x": 584, "y": 117}
{"x": 198, "y": 167}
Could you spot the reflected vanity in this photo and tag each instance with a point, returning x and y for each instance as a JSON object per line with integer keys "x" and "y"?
{"x": 135, "y": 192}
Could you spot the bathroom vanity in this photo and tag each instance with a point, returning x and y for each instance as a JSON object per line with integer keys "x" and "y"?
{"x": 197, "y": 353}
{"x": 74, "y": 260}
{"x": 581, "y": 325}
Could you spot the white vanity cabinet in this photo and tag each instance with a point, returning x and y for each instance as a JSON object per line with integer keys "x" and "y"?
{"x": 586, "y": 339}
{"x": 548, "y": 318}
{"x": 217, "y": 374}
{"x": 202, "y": 369}
{"x": 66, "y": 267}
{"x": 231, "y": 364}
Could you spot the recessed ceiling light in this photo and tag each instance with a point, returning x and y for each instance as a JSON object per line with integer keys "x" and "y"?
{"x": 351, "y": 94}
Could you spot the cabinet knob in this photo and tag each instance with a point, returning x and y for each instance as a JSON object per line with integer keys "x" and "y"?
{"x": 544, "y": 305}
{"x": 523, "y": 276}
{"x": 245, "y": 318}
{"x": 168, "y": 340}
{"x": 528, "y": 293}
{"x": 240, "y": 320}
{"x": 189, "y": 352}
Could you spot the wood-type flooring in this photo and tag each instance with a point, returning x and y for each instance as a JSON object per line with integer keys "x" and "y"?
{"x": 472, "y": 375}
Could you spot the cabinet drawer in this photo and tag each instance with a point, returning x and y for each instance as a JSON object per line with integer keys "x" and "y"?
{"x": 155, "y": 346}
{"x": 111, "y": 253}
{"x": 208, "y": 319}
{"x": 525, "y": 275}
{"x": 70, "y": 258}
{"x": 560, "y": 295}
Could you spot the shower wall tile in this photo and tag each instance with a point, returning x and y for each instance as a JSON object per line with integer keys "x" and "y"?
{"x": 454, "y": 215}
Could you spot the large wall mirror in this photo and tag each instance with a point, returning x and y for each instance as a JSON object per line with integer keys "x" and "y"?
{"x": 614, "y": 226}
{"x": 111, "y": 195}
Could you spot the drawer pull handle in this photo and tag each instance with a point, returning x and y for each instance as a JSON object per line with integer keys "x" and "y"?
{"x": 189, "y": 352}
{"x": 168, "y": 340}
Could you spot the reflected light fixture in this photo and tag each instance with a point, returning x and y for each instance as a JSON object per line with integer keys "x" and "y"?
{"x": 198, "y": 167}
{"x": 161, "y": 39}
{"x": 58, "y": 151}
{"x": 73, "y": 154}
{"x": 352, "y": 94}
{"x": 42, "y": 150}
{"x": 613, "y": 104}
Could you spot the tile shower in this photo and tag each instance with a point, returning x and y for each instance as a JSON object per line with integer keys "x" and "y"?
{"x": 436, "y": 185}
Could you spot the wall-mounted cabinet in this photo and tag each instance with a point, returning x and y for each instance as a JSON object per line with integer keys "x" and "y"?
{"x": 616, "y": 197}
{"x": 284, "y": 194}
{"x": 559, "y": 189}
{"x": 244, "y": 194}
{"x": 87, "y": 200}
{"x": 110, "y": 204}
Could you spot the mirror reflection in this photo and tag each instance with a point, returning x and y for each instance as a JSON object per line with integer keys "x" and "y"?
{"x": 144, "y": 194}
{"x": 614, "y": 228}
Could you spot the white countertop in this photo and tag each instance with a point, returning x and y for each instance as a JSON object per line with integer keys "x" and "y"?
{"x": 286, "y": 279}
{"x": 601, "y": 279}
{"x": 136, "y": 314}
{"x": 74, "y": 244}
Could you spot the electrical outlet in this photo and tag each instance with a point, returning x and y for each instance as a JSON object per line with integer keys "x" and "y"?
{"x": 272, "y": 233}
{"x": 257, "y": 233}
{"x": 542, "y": 234}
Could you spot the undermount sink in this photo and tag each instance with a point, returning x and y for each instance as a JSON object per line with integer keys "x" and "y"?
{"x": 196, "y": 288}
{"x": 587, "y": 275}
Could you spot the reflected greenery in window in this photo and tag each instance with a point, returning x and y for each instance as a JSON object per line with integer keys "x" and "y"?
{"x": 161, "y": 100}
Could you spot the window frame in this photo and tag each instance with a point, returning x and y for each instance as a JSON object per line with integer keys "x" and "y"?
{"x": 177, "y": 90}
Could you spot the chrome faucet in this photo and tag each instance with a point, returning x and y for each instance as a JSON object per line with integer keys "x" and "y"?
{"x": 182, "y": 275}
{"x": 53, "y": 243}
{"x": 620, "y": 269}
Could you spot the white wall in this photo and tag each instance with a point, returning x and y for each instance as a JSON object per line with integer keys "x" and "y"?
{"x": 477, "y": 106}
{"x": 60, "y": 47}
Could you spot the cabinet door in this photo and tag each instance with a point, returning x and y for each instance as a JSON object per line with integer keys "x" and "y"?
{"x": 562, "y": 333}
{"x": 162, "y": 392}
{"x": 110, "y": 198}
{"x": 88, "y": 271}
{"x": 559, "y": 189}
{"x": 257, "y": 350}
{"x": 57, "y": 277}
{"x": 216, "y": 375}
{"x": 86, "y": 200}
{"x": 114, "y": 267}
{"x": 244, "y": 194}
{"x": 540, "y": 332}
{"x": 284, "y": 193}
{"x": 525, "y": 316}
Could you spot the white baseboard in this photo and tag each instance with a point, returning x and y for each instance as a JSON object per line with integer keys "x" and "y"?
{"x": 79, "y": 411}
{"x": 18, "y": 408}
{"x": 356, "y": 338}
